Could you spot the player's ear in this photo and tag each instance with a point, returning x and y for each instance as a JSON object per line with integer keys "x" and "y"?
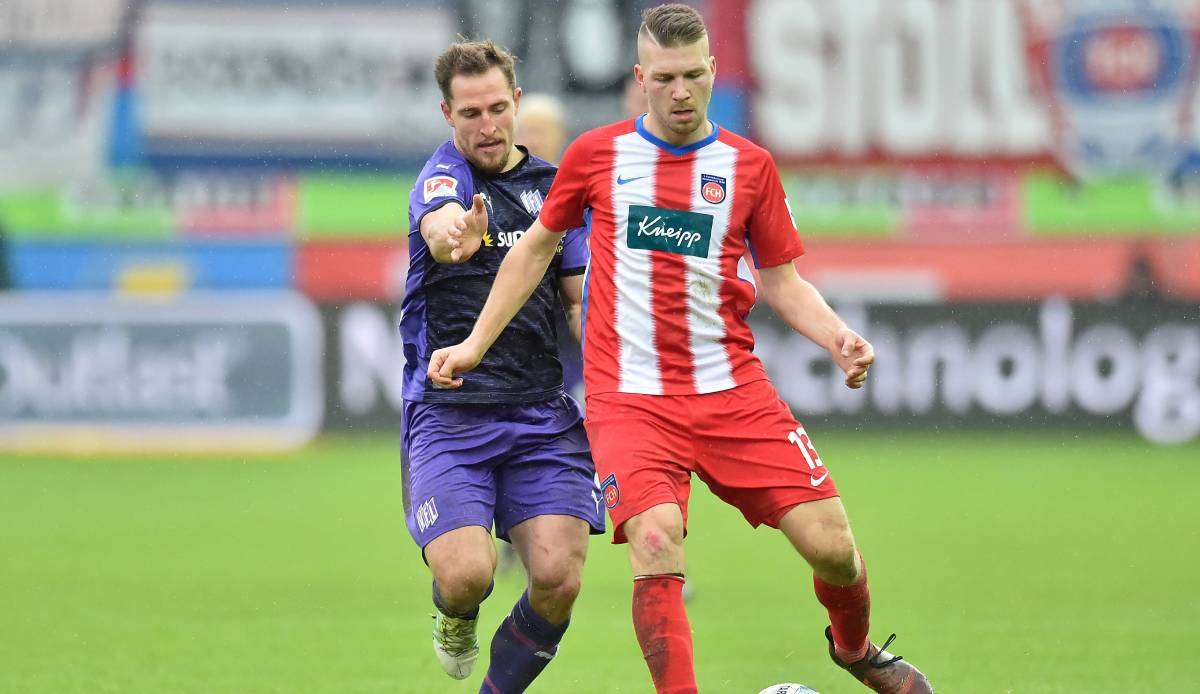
{"x": 639, "y": 75}
{"x": 712, "y": 65}
{"x": 446, "y": 113}
{"x": 516, "y": 99}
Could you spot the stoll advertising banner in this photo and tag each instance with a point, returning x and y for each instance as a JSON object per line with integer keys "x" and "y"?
{"x": 972, "y": 120}
{"x": 205, "y": 372}
{"x": 1133, "y": 365}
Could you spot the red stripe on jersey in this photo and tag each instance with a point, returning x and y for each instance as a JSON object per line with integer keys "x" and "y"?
{"x": 737, "y": 296}
{"x": 601, "y": 347}
{"x": 673, "y": 181}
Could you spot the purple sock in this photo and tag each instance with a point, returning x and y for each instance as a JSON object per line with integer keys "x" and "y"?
{"x": 521, "y": 649}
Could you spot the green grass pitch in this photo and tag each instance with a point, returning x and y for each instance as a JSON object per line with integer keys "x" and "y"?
{"x": 1008, "y": 562}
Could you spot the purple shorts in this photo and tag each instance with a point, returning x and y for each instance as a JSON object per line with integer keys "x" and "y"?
{"x": 503, "y": 464}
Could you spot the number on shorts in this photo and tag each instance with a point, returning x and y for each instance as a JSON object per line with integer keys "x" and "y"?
{"x": 804, "y": 443}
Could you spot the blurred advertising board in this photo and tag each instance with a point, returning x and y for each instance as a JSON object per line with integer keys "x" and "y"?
{"x": 58, "y": 70}
{"x": 149, "y": 266}
{"x": 146, "y": 204}
{"x": 1134, "y": 363}
{"x": 979, "y": 203}
{"x": 967, "y": 120}
{"x": 339, "y": 82}
{"x": 331, "y": 270}
{"x": 201, "y": 372}
{"x": 1129, "y": 365}
{"x": 234, "y": 203}
{"x": 945, "y": 81}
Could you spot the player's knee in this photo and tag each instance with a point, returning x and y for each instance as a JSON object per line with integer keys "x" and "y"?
{"x": 656, "y": 544}
{"x": 560, "y": 584}
{"x": 557, "y": 572}
{"x": 465, "y": 581}
{"x": 836, "y": 560}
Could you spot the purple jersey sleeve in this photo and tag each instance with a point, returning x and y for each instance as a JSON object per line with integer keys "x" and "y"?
{"x": 446, "y": 178}
{"x": 575, "y": 252}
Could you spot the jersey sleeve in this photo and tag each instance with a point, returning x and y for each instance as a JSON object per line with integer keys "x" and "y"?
{"x": 774, "y": 239}
{"x": 567, "y": 199}
{"x": 439, "y": 185}
{"x": 575, "y": 252}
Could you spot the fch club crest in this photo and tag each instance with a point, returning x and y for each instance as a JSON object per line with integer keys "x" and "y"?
{"x": 610, "y": 491}
{"x": 1118, "y": 78}
{"x": 712, "y": 188}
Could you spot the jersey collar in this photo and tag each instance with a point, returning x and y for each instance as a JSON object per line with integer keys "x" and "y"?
{"x": 677, "y": 151}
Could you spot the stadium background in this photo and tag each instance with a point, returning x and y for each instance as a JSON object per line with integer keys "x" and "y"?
{"x": 203, "y": 221}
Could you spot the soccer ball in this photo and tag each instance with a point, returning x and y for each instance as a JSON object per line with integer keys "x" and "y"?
{"x": 788, "y": 688}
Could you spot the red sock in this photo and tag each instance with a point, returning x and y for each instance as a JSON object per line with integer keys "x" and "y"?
{"x": 663, "y": 632}
{"x": 849, "y": 614}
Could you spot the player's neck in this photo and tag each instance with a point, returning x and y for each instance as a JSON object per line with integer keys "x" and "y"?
{"x": 514, "y": 157}
{"x": 673, "y": 138}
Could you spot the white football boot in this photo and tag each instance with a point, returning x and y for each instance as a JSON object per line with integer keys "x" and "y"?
{"x": 455, "y": 644}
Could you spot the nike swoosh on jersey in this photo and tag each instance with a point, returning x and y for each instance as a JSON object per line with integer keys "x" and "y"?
{"x": 621, "y": 180}
{"x": 816, "y": 481}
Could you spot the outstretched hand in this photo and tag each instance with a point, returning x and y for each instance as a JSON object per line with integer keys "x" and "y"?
{"x": 447, "y": 363}
{"x": 466, "y": 234}
{"x": 854, "y": 355}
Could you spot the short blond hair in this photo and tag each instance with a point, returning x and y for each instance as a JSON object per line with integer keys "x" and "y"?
{"x": 672, "y": 25}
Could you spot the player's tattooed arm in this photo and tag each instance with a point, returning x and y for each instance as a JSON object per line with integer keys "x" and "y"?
{"x": 570, "y": 290}
{"x": 803, "y": 308}
{"x": 453, "y": 234}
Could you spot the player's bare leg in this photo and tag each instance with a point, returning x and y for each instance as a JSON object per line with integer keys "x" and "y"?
{"x": 462, "y": 561}
{"x": 659, "y": 619}
{"x": 552, "y": 548}
{"x": 820, "y": 531}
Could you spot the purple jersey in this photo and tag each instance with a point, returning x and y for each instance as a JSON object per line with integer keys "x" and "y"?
{"x": 442, "y": 301}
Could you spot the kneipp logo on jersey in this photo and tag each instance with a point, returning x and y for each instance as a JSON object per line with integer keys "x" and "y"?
{"x": 673, "y": 231}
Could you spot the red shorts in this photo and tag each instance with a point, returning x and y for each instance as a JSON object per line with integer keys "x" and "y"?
{"x": 743, "y": 442}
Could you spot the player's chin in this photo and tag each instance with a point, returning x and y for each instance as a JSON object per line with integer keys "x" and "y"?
{"x": 684, "y": 127}
{"x": 490, "y": 160}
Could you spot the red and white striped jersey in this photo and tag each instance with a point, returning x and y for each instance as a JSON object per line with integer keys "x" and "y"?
{"x": 668, "y": 289}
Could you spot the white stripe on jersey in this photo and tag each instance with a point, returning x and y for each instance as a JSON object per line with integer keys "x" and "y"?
{"x": 713, "y": 372}
{"x": 633, "y": 184}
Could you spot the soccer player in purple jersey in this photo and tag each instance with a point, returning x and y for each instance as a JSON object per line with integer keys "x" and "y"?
{"x": 509, "y": 449}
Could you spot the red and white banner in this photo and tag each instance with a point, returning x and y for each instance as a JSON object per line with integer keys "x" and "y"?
{"x": 872, "y": 81}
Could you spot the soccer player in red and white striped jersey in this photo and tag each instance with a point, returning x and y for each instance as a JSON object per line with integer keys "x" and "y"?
{"x": 674, "y": 204}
